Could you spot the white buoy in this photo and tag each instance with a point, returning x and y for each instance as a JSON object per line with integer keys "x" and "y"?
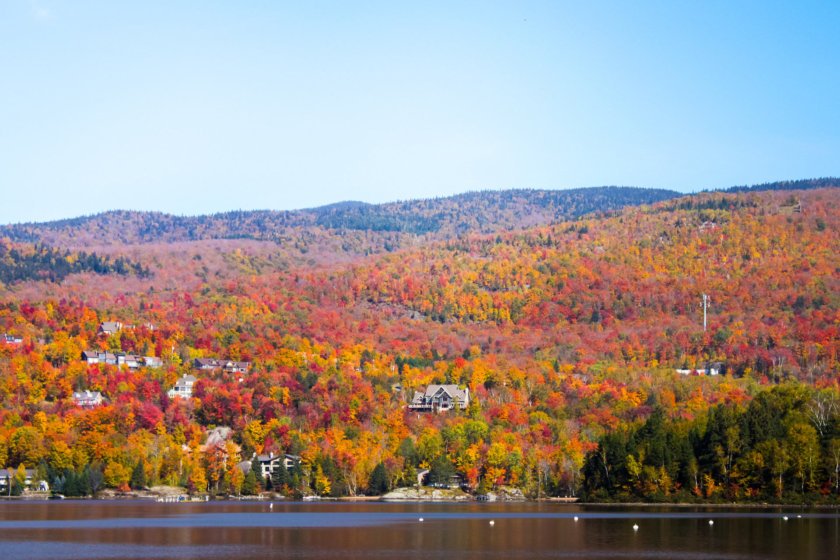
{"x": 270, "y": 506}
{"x": 576, "y": 518}
{"x": 635, "y": 527}
{"x": 785, "y": 517}
{"x": 799, "y": 517}
{"x": 711, "y": 522}
{"x": 420, "y": 520}
{"x": 492, "y": 522}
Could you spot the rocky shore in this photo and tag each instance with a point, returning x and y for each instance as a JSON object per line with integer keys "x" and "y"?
{"x": 429, "y": 494}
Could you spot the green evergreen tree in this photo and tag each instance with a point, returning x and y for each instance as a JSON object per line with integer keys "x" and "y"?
{"x": 378, "y": 483}
{"x": 83, "y": 483}
{"x": 280, "y": 478}
{"x": 138, "y": 476}
{"x": 256, "y": 468}
{"x": 441, "y": 471}
{"x": 249, "y": 485}
{"x": 71, "y": 483}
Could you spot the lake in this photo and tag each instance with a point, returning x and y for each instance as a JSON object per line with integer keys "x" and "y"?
{"x": 333, "y": 530}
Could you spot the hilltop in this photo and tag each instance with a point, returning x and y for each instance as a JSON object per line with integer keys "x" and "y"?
{"x": 477, "y": 212}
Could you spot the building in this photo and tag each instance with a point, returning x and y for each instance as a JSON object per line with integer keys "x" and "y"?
{"x": 152, "y": 361}
{"x": 8, "y": 475}
{"x": 131, "y": 361}
{"x": 96, "y": 357}
{"x": 87, "y": 399}
{"x": 10, "y": 339}
{"x": 226, "y": 365}
{"x": 270, "y": 463}
{"x": 440, "y": 398}
{"x": 111, "y": 327}
{"x": 183, "y": 387}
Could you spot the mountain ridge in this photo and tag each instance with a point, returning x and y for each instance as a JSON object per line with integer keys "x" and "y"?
{"x": 486, "y": 211}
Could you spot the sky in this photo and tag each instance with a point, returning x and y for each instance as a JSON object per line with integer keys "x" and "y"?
{"x": 194, "y": 107}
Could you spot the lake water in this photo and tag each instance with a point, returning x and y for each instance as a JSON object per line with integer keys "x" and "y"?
{"x": 329, "y": 530}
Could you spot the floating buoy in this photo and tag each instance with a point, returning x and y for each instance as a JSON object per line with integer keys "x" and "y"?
{"x": 711, "y": 522}
{"x": 270, "y": 506}
{"x": 576, "y": 518}
{"x": 635, "y": 527}
{"x": 492, "y": 522}
{"x": 799, "y": 517}
{"x": 785, "y": 517}
{"x": 420, "y": 520}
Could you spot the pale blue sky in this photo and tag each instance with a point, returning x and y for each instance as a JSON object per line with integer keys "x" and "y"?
{"x": 206, "y": 106}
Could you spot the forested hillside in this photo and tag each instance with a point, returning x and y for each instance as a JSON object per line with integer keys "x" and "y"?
{"x": 473, "y": 212}
{"x": 581, "y": 341}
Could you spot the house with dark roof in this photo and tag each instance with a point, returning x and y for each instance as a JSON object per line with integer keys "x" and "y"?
{"x": 97, "y": 357}
{"x": 270, "y": 463}
{"x": 440, "y": 398}
{"x": 226, "y": 365}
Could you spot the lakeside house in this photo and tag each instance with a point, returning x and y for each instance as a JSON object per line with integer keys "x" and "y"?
{"x": 7, "y": 476}
{"x": 183, "y": 387}
{"x": 440, "y": 398}
{"x": 270, "y": 463}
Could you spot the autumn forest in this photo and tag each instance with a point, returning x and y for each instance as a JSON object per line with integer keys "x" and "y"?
{"x": 575, "y": 320}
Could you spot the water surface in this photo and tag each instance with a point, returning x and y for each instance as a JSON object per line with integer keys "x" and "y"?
{"x": 235, "y": 530}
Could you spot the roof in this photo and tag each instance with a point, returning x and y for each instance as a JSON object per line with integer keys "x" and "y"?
{"x": 110, "y": 326}
{"x": 452, "y": 390}
{"x": 185, "y": 381}
{"x": 6, "y": 472}
{"x": 215, "y": 363}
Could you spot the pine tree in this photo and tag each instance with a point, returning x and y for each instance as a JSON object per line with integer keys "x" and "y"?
{"x": 378, "y": 483}
{"x": 83, "y": 484}
{"x": 138, "y": 476}
{"x": 280, "y": 478}
{"x": 249, "y": 486}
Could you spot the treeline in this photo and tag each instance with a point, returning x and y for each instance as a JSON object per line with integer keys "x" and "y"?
{"x": 53, "y": 265}
{"x": 801, "y": 184}
{"x": 784, "y": 446}
{"x": 486, "y": 211}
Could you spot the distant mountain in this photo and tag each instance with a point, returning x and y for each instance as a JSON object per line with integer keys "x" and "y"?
{"x": 353, "y": 227}
{"x": 481, "y": 212}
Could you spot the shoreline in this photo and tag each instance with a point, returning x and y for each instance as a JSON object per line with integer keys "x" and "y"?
{"x": 147, "y": 496}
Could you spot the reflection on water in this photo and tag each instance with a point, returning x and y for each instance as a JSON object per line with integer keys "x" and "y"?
{"x": 75, "y": 530}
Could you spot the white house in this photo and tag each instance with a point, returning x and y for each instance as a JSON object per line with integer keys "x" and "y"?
{"x": 8, "y": 475}
{"x": 10, "y": 339}
{"x": 183, "y": 387}
{"x": 87, "y": 399}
